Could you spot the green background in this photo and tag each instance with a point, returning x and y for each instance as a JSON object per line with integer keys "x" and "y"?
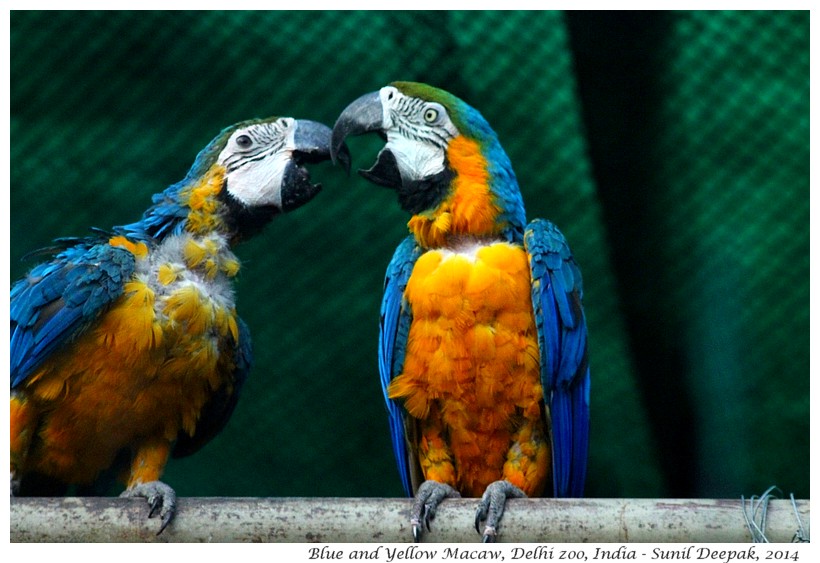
{"x": 671, "y": 148}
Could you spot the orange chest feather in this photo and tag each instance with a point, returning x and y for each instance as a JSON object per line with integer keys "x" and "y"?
{"x": 470, "y": 209}
{"x": 146, "y": 368}
{"x": 472, "y": 346}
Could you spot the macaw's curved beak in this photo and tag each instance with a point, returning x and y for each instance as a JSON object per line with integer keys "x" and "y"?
{"x": 311, "y": 144}
{"x": 363, "y": 115}
{"x": 366, "y": 115}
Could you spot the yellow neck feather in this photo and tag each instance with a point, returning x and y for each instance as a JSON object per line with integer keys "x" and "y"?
{"x": 201, "y": 199}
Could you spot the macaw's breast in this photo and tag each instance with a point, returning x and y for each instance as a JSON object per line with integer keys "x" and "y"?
{"x": 142, "y": 372}
{"x": 471, "y": 370}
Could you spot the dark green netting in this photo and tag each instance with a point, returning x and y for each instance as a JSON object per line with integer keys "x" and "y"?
{"x": 671, "y": 148}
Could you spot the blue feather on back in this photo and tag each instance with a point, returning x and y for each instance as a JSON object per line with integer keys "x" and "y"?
{"x": 394, "y": 328}
{"x": 60, "y": 298}
{"x": 562, "y": 338}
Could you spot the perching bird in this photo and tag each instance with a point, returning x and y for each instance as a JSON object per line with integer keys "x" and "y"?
{"x": 483, "y": 341}
{"x": 126, "y": 345}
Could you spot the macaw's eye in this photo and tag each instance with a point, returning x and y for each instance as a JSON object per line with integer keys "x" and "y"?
{"x": 430, "y": 115}
{"x": 243, "y": 142}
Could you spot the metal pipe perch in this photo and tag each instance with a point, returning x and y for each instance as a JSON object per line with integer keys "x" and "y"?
{"x": 386, "y": 520}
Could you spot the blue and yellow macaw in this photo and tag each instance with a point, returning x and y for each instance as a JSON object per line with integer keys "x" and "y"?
{"x": 126, "y": 345}
{"x": 483, "y": 341}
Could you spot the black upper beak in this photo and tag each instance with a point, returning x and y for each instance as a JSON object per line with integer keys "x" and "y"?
{"x": 364, "y": 115}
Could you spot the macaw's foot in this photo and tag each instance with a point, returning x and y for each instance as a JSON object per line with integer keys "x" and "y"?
{"x": 160, "y": 497}
{"x": 491, "y": 508}
{"x": 428, "y": 497}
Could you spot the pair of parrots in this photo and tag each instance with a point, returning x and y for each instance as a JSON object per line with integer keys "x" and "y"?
{"x": 126, "y": 347}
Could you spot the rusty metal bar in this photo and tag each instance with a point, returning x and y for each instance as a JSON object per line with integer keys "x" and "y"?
{"x": 363, "y": 520}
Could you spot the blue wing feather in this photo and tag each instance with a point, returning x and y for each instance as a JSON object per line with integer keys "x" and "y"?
{"x": 60, "y": 298}
{"x": 556, "y": 293}
{"x": 393, "y": 331}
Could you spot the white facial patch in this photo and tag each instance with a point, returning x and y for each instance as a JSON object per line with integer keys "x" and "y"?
{"x": 416, "y": 158}
{"x": 409, "y": 138}
{"x": 255, "y": 173}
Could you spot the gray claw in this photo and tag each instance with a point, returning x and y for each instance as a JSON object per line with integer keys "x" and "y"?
{"x": 417, "y": 529}
{"x": 491, "y": 507}
{"x": 428, "y": 497}
{"x": 159, "y": 496}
